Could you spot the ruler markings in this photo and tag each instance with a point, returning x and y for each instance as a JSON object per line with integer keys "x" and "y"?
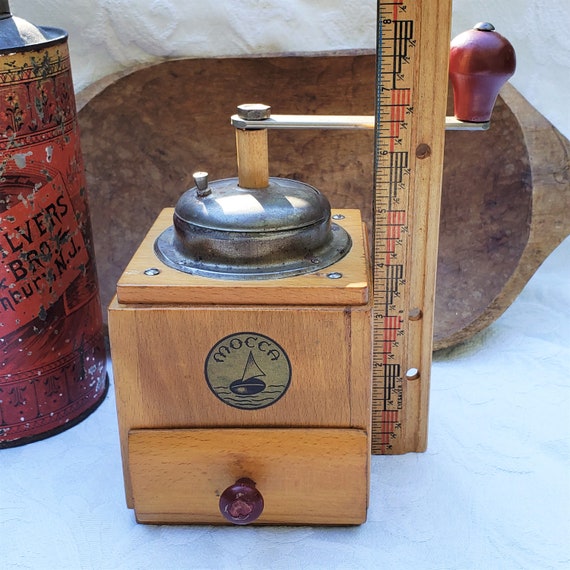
{"x": 392, "y": 177}
{"x": 397, "y": 407}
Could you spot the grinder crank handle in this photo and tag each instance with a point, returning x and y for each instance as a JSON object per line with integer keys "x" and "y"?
{"x": 480, "y": 63}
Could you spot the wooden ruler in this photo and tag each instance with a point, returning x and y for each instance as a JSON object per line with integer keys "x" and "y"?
{"x": 413, "y": 53}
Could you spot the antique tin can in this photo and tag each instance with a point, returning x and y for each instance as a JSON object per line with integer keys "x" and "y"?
{"x": 52, "y": 349}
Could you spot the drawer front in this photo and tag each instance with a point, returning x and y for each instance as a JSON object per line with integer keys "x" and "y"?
{"x": 305, "y": 475}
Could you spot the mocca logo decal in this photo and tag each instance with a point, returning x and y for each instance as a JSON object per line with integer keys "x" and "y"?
{"x": 248, "y": 370}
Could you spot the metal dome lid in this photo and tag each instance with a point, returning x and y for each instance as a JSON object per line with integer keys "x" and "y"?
{"x": 285, "y": 204}
{"x": 17, "y": 34}
{"x": 224, "y": 231}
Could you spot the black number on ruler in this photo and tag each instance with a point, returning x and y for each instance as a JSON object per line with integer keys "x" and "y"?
{"x": 403, "y": 34}
{"x": 391, "y": 279}
{"x": 391, "y": 375}
{"x": 396, "y": 168}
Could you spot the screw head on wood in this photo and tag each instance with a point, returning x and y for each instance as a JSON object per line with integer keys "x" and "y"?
{"x": 423, "y": 151}
{"x": 152, "y": 271}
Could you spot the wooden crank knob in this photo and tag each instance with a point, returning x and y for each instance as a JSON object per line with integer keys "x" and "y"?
{"x": 480, "y": 63}
{"x": 241, "y": 503}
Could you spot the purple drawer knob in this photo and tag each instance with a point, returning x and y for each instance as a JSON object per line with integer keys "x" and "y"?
{"x": 241, "y": 503}
{"x": 480, "y": 63}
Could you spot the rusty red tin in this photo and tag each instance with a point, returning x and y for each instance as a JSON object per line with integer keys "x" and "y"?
{"x": 52, "y": 349}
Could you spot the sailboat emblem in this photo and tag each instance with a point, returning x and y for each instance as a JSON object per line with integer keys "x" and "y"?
{"x": 248, "y": 370}
{"x": 250, "y": 382}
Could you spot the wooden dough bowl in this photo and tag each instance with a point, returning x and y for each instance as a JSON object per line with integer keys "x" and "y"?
{"x": 506, "y": 192}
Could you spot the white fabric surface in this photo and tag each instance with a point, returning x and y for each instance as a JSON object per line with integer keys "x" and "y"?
{"x": 491, "y": 492}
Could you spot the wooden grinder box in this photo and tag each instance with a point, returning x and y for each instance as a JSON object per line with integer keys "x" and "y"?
{"x": 269, "y": 381}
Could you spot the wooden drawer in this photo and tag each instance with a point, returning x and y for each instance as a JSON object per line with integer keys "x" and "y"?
{"x": 306, "y": 475}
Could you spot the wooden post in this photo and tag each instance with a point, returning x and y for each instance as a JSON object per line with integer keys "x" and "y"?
{"x": 252, "y": 153}
{"x": 252, "y": 158}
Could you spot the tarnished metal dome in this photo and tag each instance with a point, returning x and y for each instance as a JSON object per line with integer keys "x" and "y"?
{"x": 224, "y": 231}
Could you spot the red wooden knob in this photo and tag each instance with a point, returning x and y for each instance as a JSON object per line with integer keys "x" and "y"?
{"x": 480, "y": 63}
{"x": 241, "y": 503}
